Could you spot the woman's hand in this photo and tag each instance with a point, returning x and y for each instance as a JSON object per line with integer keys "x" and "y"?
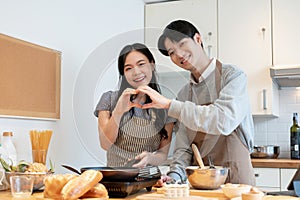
{"x": 158, "y": 101}
{"x": 124, "y": 104}
{"x": 145, "y": 159}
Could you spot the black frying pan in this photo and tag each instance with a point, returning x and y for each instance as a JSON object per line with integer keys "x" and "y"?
{"x": 116, "y": 173}
{"x": 111, "y": 173}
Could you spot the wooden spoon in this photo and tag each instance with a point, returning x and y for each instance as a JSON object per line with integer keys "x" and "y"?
{"x": 198, "y": 156}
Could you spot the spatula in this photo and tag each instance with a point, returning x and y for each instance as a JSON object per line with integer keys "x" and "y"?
{"x": 198, "y": 156}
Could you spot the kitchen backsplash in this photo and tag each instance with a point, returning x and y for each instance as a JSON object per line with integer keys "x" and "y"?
{"x": 276, "y": 131}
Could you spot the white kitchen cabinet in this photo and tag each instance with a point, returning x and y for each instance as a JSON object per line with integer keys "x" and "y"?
{"x": 245, "y": 40}
{"x": 202, "y": 13}
{"x": 235, "y": 31}
{"x": 286, "y": 31}
{"x": 273, "y": 179}
{"x": 267, "y": 179}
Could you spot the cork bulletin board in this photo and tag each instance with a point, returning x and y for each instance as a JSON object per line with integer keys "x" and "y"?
{"x": 29, "y": 80}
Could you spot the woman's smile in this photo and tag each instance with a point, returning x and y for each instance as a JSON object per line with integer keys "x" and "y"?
{"x": 139, "y": 79}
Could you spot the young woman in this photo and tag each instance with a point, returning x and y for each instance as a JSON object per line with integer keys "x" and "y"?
{"x": 125, "y": 130}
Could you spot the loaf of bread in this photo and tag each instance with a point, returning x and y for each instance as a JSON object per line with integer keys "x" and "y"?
{"x": 70, "y": 186}
{"x": 98, "y": 191}
{"x": 80, "y": 185}
{"x": 55, "y": 183}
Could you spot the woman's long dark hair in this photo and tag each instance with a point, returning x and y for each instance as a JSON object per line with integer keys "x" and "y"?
{"x": 161, "y": 114}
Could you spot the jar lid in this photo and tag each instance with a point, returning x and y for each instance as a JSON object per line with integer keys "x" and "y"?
{"x": 7, "y": 133}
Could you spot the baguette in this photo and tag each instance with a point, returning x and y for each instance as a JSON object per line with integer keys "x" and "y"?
{"x": 55, "y": 183}
{"x": 98, "y": 191}
{"x": 78, "y": 186}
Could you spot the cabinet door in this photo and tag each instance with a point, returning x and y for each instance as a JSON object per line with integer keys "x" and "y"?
{"x": 201, "y": 13}
{"x": 286, "y": 31}
{"x": 245, "y": 41}
{"x": 267, "y": 179}
{"x": 286, "y": 177}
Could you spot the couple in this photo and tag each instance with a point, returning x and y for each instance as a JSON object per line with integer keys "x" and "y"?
{"x": 212, "y": 110}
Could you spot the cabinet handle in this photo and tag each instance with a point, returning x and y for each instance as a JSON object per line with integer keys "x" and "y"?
{"x": 256, "y": 175}
{"x": 264, "y": 99}
{"x": 263, "y": 29}
{"x": 209, "y": 47}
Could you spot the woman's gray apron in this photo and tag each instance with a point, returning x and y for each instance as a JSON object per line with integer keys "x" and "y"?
{"x": 135, "y": 136}
{"x": 228, "y": 151}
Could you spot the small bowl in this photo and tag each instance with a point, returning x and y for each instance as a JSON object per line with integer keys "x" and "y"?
{"x": 253, "y": 196}
{"x": 207, "y": 178}
{"x": 268, "y": 151}
{"x": 38, "y": 177}
{"x": 235, "y": 190}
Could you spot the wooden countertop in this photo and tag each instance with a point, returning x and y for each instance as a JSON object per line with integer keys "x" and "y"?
{"x": 276, "y": 163}
{"x": 143, "y": 195}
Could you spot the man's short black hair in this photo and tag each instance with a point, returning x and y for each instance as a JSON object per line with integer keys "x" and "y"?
{"x": 176, "y": 31}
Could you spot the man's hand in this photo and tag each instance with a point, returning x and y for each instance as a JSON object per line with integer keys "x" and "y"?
{"x": 158, "y": 101}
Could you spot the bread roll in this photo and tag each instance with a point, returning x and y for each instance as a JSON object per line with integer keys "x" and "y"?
{"x": 98, "y": 191}
{"x": 78, "y": 186}
{"x": 55, "y": 183}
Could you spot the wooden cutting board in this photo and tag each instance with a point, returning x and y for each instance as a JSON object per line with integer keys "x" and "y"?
{"x": 209, "y": 193}
{"x": 162, "y": 197}
{"x": 203, "y": 194}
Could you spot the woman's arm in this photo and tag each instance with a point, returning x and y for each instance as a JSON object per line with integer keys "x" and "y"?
{"x": 108, "y": 124}
{"x": 108, "y": 127}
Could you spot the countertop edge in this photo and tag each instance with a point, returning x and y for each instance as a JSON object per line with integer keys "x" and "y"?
{"x": 276, "y": 163}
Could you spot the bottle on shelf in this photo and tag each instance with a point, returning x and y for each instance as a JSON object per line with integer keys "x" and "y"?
{"x": 3, "y": 153}
{"x": 9, "y": 146}
{"x": 4, "y": 156}
{"x": 295, "y": 138}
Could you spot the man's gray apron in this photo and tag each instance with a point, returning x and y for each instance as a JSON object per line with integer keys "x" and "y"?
{"x": 228, "y": 151}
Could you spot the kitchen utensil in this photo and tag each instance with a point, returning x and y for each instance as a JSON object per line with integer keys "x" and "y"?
{"x": 198, "y": 156}
{"x": 71, "y": 169}
{"x": 252, "y": 196}
{"x": 235, "y": 190}
{"x": 116, "y": 173}
{"x": 206, "y": 178}
{"x": 121, "y": 173}
{"x": 211, "y": 163}
{"x": 146, "y": 178}
{"x": 120, "y": 189}
{"x": 267, "y": 151}
{"x": 38, "y": 177}
{"x": 21, "y": 186}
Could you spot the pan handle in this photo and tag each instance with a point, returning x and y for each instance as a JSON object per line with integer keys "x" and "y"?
{"x": 71, "y": 169}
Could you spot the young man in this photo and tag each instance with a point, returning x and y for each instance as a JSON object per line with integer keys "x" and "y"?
{"x": 213, "y": 109}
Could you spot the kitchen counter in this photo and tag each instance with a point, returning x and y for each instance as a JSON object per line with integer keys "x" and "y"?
{"x": 143, "y": 195}
{"x": 276, "y": 163}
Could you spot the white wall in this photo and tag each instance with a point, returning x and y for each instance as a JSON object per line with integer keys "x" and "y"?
{"x": 276, "y": 131}
{"x": 90, "y": 35}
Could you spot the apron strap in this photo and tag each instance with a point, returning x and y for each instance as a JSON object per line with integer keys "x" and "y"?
{"x": 218, "y": 73}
